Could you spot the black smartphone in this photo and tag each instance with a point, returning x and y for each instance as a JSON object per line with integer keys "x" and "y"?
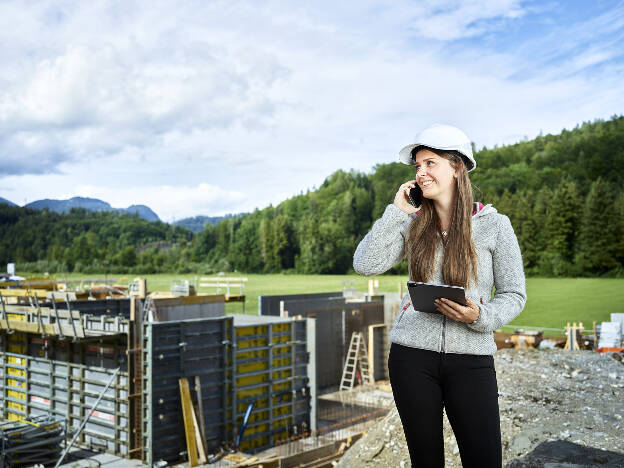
{"x": 415, "y": 196}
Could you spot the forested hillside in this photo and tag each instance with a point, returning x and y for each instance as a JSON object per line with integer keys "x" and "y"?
{"x": 563, "y": 194}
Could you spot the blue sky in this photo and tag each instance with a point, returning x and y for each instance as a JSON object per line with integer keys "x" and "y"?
{"x": 215, "y": 107}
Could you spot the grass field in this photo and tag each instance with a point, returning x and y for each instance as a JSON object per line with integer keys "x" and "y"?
{"x": 552, "y": 302}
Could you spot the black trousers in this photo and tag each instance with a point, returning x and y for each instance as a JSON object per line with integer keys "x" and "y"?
{"x": 423, "y": 382}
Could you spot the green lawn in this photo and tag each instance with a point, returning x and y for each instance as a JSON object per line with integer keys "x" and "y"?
{"x": 551, "y": 302}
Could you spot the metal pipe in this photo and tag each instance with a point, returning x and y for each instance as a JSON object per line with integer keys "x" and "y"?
{"x": 43, "y": 333}
{"x": 71, "y": 317}
{"x": 58, "y": 321}
{"x": 6, "y": 317}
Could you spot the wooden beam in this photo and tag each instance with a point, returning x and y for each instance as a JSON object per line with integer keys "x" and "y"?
{"x": 24, "y": 293}
{"x": 187, "y": 416}
{"x": 35, "y": 327}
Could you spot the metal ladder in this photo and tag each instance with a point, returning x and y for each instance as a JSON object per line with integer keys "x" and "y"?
{"x": 357, "y": 354}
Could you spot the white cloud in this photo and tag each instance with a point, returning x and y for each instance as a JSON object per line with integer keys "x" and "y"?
{"x": 240, "y": 104}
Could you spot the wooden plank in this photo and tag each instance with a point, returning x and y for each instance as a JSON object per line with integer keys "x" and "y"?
{"x": 200, "y": 410}
{"x": 62, "y": 296}
{"x": 198, "y": 438}
{"x": 187, "y": 416}
{"x": 235, "y": 298}
{"x": 188, "y": 300}
{"x": 24, "y": 293}
{"x": 49, "y": 328}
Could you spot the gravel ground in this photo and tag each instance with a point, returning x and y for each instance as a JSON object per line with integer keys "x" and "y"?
{"x": 544, "y": 396}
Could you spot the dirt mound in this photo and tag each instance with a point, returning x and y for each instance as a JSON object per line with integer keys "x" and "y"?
{"x": 544, "y": 396}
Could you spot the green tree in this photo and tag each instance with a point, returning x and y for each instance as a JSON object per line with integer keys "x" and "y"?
{"x": 598, "y": 234}
{"x": 561, "y": 231}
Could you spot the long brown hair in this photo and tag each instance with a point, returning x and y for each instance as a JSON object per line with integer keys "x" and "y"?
{"x": 459, "y": 265}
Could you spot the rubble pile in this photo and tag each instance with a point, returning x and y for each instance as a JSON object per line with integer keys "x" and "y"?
{"x": 544, "y": 396}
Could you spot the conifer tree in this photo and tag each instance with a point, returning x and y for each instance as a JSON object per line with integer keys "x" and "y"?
{"x": 597, "y": 240}
{"x": 561, "y": 230}
{"x": 540, "y": 218}
{"x": 526, "y": 229}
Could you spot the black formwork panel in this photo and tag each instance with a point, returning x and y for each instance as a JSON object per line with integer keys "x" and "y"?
{"x": 270, "y": 305}
{"x": 113, "y": 307}
{"x": 359, "y": 315}
{"x": 173, "y": 350}
{"x": 330, "y": 346}
{"x": 380, "y": 353}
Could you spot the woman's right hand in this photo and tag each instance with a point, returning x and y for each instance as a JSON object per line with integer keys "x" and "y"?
{"x": 401, "y": 199}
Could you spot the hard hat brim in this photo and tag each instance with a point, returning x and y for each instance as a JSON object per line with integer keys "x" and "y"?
{"x": 405, "y": 155}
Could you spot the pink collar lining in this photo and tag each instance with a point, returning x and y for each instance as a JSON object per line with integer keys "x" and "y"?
{"x": 478, "y": 208}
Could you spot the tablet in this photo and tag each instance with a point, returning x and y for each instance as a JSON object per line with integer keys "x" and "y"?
{"x": 423, "y": 295}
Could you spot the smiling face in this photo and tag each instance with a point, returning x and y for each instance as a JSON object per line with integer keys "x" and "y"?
{"x": 435, "y": 175}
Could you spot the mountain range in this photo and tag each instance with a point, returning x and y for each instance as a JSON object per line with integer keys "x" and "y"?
{"x": 195, "y": 224}
{"x": 91, "y": 204}
{"x": 8, "y": 202}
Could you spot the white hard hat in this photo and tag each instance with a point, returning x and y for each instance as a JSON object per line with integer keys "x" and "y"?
{"x": 442, "y": 137}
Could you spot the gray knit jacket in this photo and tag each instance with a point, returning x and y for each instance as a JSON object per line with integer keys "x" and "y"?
{"x": 499, "y": 265}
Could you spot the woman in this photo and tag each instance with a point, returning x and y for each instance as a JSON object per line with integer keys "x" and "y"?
{"x": 445, "y": 360}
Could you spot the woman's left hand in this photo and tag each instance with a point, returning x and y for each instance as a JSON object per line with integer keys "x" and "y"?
{"x": 458, "y": 312}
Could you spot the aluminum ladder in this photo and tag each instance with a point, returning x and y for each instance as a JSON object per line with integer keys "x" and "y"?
{"x": 356, "y": 354}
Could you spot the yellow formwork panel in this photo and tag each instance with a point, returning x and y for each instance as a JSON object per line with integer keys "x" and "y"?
{"x": 16, "y": 348}
{"x": 281, "y": 361}
{"x": 256, "y": 442}
{"x": 252, "y": 343}
{"x": 259, "y": 405}
{"x": 279, "y": 351}
{"x": 252, "y": 354}
{"x": 16, "y": 395}
{"x": 281, "y": 374}
{"x": 283, "y": 411}
{"x": 281, "y": 436}
{"x": 281, "y": 386}
{"x": 242, "y": 380}
{"x": 247, "y": 339}
{"x": 16, "y": 360}
{"x": 281, "y": 327}
{"x": 251, "y": 367}
{"x": 251, "y": 330}
{"x": 16, "y": 372}
{"x": 248, "y": 393}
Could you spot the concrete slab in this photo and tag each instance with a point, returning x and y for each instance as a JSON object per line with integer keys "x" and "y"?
{"x": 84, "y": 458}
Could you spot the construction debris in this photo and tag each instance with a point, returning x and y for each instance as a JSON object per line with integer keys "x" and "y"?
{"x": 544, "y": 395}
{"x": 611, "y": 333}
{"x": 34, "y": 440}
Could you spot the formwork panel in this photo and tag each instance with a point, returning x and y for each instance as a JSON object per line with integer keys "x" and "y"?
{"x": 173, "y": 350}
{"x": 67, "y": 390}
{"x": 271, "y": 371}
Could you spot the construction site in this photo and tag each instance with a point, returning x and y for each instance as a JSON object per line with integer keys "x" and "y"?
{"x": 165, "y": 378}
{"x": 117, "y": 375}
